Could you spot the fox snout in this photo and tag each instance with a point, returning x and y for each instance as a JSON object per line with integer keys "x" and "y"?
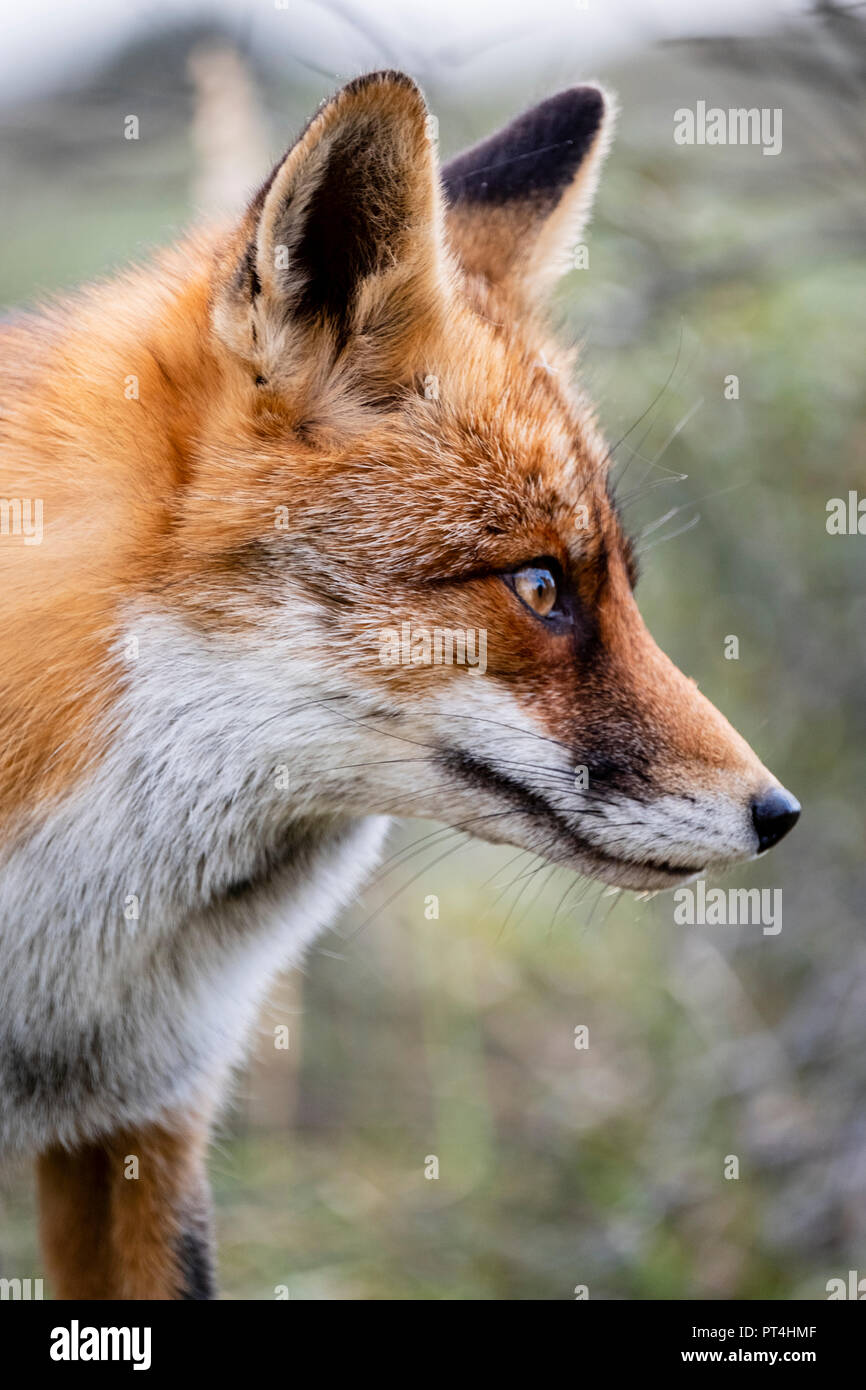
{"x": 773, "y": 815}
{"x": 673, "y": 790}
{"x": 739, "y": 803}
{"x": 615, "y": 765}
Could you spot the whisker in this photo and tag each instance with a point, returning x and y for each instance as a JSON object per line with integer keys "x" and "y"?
{"x": 653, "y": 403}
{"x": 680, "y": 531}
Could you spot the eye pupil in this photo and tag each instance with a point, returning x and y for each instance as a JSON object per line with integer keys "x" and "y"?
{"x": 537, "y": 587}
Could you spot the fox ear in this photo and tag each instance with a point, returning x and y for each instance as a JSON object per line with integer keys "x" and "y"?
{"x": 343, "y": 244}
{"x": 520, "y": 200}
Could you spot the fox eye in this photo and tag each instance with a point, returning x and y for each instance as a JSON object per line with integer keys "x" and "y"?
{"x": 536, "y": 585}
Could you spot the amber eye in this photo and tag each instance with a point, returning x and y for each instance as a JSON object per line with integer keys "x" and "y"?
{"x": 537, "y": 586}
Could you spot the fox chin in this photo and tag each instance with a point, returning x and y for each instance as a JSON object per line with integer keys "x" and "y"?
{"x": 343, "y": 415}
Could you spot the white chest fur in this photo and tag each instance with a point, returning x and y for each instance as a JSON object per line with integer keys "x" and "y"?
{"x": 141, "y": 920}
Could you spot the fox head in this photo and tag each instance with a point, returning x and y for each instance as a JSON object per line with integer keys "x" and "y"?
{"x": 385, "y": 492}
{"x": 446, "y": 491}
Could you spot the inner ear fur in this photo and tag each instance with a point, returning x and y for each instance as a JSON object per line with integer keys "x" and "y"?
{"x": 343, "y": 244}
{"x": 519, "y": 201}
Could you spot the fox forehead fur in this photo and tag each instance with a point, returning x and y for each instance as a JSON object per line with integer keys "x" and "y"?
{"x": 169, "y": 649}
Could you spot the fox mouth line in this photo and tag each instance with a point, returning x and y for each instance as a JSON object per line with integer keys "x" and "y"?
{"x": 481, "y": 774}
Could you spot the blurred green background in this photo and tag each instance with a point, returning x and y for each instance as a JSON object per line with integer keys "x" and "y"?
{"x": 454, "y": 1039}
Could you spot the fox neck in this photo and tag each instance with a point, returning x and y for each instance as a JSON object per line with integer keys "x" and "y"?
{"x": 103, "y": 427}
{"x": 202, "y": 794}
{"x": 183, "y": 755}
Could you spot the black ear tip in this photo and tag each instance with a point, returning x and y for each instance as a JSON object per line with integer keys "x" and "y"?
{"x": 575, "y": 112}
{"x": 535, "y": 156}
{"x": 586, "y": 105}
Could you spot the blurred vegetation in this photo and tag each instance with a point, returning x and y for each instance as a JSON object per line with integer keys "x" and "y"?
{"x": 455, "y": 1038}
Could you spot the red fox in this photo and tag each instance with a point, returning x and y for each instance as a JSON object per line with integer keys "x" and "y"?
{"x": 342, "y": 417}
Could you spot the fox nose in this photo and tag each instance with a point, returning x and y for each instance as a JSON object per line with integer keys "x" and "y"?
{"x": 773, "y": 815}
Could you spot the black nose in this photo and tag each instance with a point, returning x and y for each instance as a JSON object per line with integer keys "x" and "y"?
{"x": 773, "y": 815}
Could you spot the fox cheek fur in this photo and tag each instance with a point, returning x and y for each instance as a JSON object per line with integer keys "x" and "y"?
{"x": 349, "y": 420}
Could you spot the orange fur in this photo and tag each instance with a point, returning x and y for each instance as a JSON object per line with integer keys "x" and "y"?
{"x": 169, "y": 492}
{"x": 164, "y": 418}
{"x": 109, "y": 1235}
